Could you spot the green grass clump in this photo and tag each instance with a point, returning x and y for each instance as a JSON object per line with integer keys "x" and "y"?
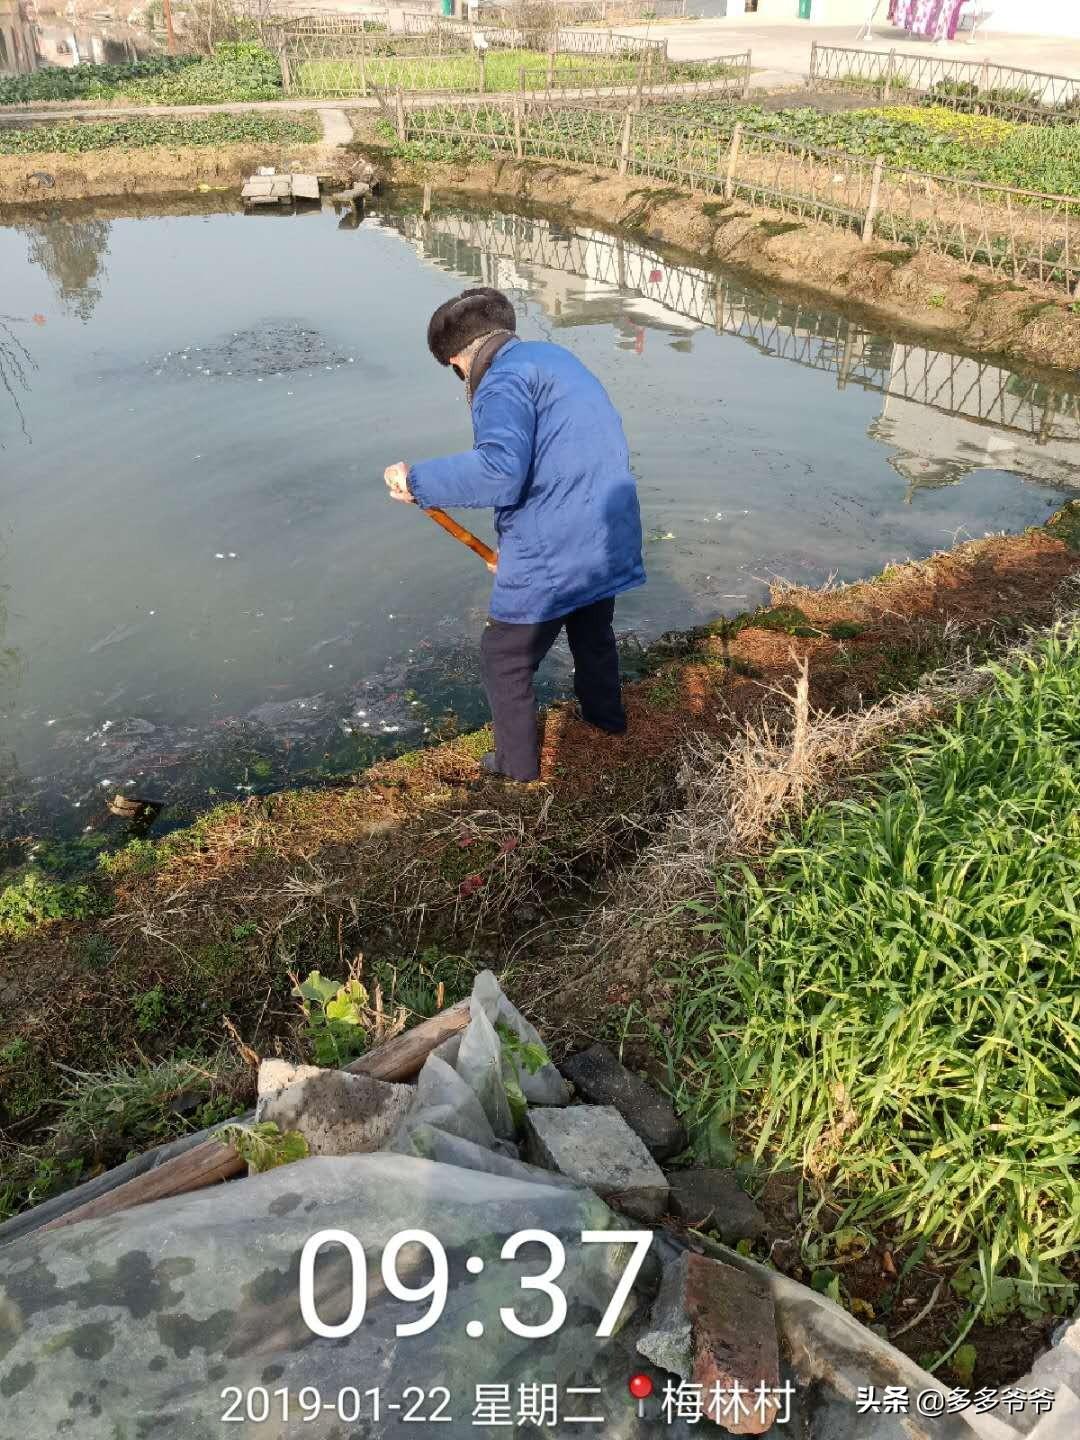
{"x": 33, "y": 901}
{"x": 75, "y": 137}
{"x": 892, "y": 1000}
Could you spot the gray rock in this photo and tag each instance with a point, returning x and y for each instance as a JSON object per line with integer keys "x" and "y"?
{"x": 669, "y": 1340}
{"x": 337, "y": 1113}
{"x": 709, "y": 1199}
{"x": 603, "y": 1080}
{"x": 593, "y": 1145}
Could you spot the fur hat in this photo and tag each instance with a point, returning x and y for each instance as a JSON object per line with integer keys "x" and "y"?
{"x": 456, "y": 323}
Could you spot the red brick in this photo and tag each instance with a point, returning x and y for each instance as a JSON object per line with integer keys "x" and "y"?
{"x": 733, "y": 1321}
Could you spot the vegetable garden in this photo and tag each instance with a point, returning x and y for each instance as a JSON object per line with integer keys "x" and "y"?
{"x": 1012, "y": 228}
{"x": 75, "y": 137}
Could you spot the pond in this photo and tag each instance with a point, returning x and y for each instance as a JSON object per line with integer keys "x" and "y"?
{"x": 205, "y": 591}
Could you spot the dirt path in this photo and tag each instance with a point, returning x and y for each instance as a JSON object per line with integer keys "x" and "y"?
{"x": 92, "y": 110}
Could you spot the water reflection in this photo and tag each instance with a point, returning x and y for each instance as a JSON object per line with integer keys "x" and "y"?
{"x": 944, "y": 415}
{"x": 72, "y": 253}
{"x": 16, "y": 364}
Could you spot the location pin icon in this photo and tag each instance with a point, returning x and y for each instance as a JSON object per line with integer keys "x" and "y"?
{"x": 640, "y": 1387}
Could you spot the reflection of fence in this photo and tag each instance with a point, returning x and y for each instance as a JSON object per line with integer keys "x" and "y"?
{"x": 789, "y": 330}
{"x": 968, "y": 85}
{"x": 1020, "y": 233}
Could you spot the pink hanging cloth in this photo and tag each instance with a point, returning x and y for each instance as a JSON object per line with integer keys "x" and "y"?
{"x": 926, "y": 17}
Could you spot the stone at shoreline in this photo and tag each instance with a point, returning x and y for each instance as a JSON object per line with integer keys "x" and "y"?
{"x": 603, "y": 1080}
{"x": 593, "y": 1145}
{"x": 337, "y": 1113}
{"x": 713, "y": 1199}
{"x": 713, "y": 1325}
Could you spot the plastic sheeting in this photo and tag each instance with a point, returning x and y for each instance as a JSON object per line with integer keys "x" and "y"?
{"x": 158, "y": 1323}
{"x": 161, "y": 1320}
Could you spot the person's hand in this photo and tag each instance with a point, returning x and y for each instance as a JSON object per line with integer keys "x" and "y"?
{"x": 493, "y": 565}
{"x": 397, "y": 482}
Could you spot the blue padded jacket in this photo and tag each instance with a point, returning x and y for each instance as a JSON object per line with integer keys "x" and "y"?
{"x": 550, "y": 456}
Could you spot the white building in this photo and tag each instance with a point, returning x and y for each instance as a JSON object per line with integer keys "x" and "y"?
{"x": 17, "y": 49}
{"x": 1002, "y": 17}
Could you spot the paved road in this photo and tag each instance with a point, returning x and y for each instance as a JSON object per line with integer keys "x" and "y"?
{"x": 782, "y": 51}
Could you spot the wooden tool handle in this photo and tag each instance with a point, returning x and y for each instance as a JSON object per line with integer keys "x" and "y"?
{"x": 466, "y": 537}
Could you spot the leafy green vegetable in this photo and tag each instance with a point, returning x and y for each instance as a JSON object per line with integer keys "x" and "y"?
{"x": 75, "y": 137}
{"x": 531, "y": 1056}
{"x": 335, "y": 1017}
{"x": 519, "y": 1055}
{"x": 264, "y": 1146}
{"x": 34, "y": 901}
{"x": 1007, "y": 1295}
{"x": 235, "y": 71}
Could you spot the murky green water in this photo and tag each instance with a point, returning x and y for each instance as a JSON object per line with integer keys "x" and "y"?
{"x": 205, "y": 589}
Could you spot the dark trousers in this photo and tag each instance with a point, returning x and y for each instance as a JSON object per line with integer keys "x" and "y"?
{"x": 509, "y": 658}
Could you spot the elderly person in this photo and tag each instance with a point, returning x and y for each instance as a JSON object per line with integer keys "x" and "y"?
{"x": 550, "y": 457}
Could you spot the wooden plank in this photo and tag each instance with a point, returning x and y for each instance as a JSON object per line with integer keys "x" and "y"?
{"x": 402, "y": 1057}
{"x": 207, "y": 1164}
{"x": 211, "y": 1162}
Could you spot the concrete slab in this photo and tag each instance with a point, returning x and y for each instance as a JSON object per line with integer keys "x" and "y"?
{"x": 602, "y": 1079}
{"x": 305, "y": 187}
{"x": 593, "y": 1145}
{"x": 336, "y": 128}
{"x": 337, "y": 1113}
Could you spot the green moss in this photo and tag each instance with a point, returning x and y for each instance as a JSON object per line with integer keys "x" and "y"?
{"x": 1032, "y": 312}
{"x": 476, "y": 743}
{"x": 1064, "y": 525}
{"x": 788, "y": 618}
{"x": 137, "y": 857}
{"x": 845, "y": 630}
{"x": 779, "y": 227}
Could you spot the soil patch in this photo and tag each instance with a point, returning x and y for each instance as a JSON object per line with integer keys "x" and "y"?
{"x": 156, "y": 170}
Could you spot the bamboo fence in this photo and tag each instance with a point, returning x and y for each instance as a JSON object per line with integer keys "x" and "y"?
{"x": 1021, "y": 234}
{"x": 332, "y": 56}
{"x": 965, "y": 85}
